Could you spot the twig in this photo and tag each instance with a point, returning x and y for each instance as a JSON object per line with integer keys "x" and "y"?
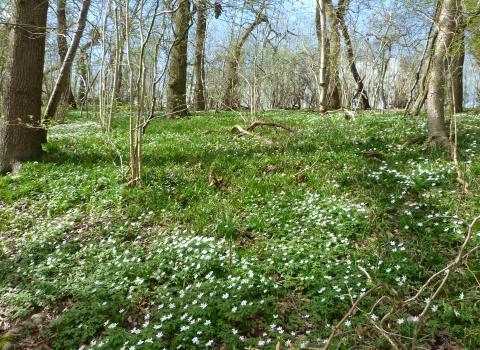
{"x": 351, "y": 114}
{"x": 365, "y": 272}
{"x": 305, "y": 169}
{"x": 383, "y": 297}
{"x": 349, "y": 314}
{"x": 384, "y": 333}
{"x": 452, "y": 264}
{"x": 213, "y": 180}
{"x": 448, "y": 271}
{"x": 273, "y": 125}
{"x": 242, "y": 132}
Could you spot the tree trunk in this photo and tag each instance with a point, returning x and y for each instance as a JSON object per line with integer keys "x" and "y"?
{"x": 63, "y": 48}
{"x": 117, "y": 89}
{"x": 436, "y": 83}
{"x": 4, "y": 30}
{"x": 231, "y": 98}
{"x": 119, "y": 54}
{"x": 414, "y": 110}
{"x": 341, "y": 10}
{"x": 457, "y": 81}
{"x": 177, "y": 71}
{"x": 83, "y": 72}
{"x": 457, "y": 63}
{"x": 379, "y": 90}
{"x": 321, "y": 24}
{"x": 64, "y": 75}
{"x": 20, "y": 130}
{"x": 334, "y": 100}
{"x": 199, "y": 99}
{"x": 116, "y": 58}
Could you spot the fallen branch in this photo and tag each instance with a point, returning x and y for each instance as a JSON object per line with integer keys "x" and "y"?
{"x": 348, "y": 114}
{"x": 349, "y": 314}
{"x": 436, "y": 282}
{"x": 242, "y": 132}
{"x": 384, "y": 333}
{"x": 451, "y": 267}
{"x": 373, "y": 154}
{"x": 271, "y": 124}
{"x": 414, "y": 141}
{"x": 213, "y": 180}
{"x": 305, "y": 169}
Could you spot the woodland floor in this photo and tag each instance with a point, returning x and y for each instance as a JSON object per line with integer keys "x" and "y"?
{"x": 239, "y": 242}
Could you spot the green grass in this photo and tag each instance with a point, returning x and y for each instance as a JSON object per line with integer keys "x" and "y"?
{"x": 274, "y": 255}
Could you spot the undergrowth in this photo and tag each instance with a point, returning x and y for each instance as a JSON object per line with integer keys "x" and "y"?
{"x": 275, "y": 256}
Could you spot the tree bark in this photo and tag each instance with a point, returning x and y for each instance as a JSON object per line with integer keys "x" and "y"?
{"x": 231, "y": 98}
{"x": 457, "y": 81}
{"x": 117, "y": 88}
{"x": 334, "y": 100}
{"x": 64, "y": 75}
{"x": 63, "y": 48}
{"x": 4, "y": 30}
{"x": 199, "y": 99}
{"x": 437, "y": 135}
{"x": 118, "y": 55}
{"x": 177, "y": 71}
{"x": 83, "y": 72}
{"x": 457, "y": 63}
{"x": 341, "y": 10}
{"x": 321, "y": 24}
{"x": 20, "y": 130}
{"x": 414, "y": 109}
{"x": 423, "y": 89}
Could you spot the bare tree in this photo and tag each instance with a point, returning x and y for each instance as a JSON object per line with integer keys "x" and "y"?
{"x": 137, "y": 118}
{"x": 64, "y": 75}
{"x": 361, "y": 92}
{"x": 63, "y": 48}
{"x": 436, "y": 83}
{"x": 334, "y": 101}
{"x": 119, "y": 49}
{"x": 421, "y": 81}
{"x": 83, "y": 68}
{"x": 456, "y": 65}
{"x": 177, "y": 71}
{"x": 231, "y": 98}
{"x": 117, "y": 72}
{"x": 200, "y": 99}
{"x": 322, "y": 35}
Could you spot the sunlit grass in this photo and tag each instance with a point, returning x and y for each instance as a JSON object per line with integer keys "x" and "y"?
{"x": 275, "y": 254}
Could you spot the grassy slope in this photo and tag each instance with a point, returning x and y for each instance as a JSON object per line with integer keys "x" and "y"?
{"x": 274, "y": 255}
